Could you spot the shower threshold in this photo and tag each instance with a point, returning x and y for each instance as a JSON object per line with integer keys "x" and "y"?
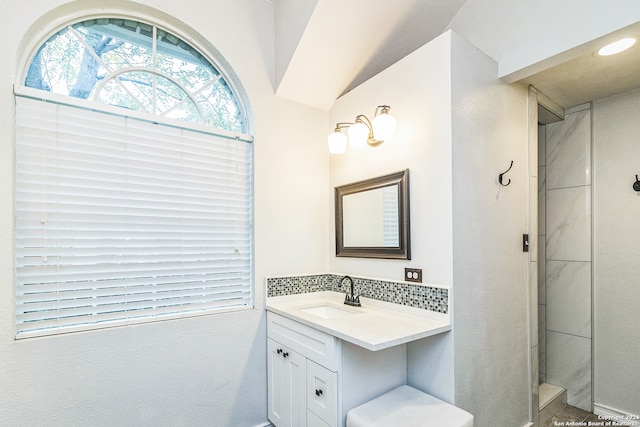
{"x": 552, "y": 400}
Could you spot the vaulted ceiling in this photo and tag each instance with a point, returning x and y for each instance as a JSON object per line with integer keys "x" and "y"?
{"x": 324, "y": 48}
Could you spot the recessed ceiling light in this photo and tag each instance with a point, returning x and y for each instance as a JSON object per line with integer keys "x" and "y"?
{"x": 617, "y": 47}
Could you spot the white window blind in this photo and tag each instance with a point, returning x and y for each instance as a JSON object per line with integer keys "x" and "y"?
{"x": 120, "y": 220}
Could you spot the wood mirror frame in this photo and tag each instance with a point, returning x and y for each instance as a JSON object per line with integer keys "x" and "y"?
{"x": 403, "y": 248}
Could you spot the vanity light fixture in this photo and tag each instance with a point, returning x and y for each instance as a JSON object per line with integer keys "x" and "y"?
{"x": 363, "y": 131}
{"x": 617, "y": 46}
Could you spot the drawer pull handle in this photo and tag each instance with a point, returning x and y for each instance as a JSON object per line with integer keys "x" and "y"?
{"x": 318, "y": 392}
{"x": 279, "y": 351}
{"x": 285, "y": 354}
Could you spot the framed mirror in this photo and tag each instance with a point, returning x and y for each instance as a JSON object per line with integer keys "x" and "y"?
{"x": 372, "y": 218}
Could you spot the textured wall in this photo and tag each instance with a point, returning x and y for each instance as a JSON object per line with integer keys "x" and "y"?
{"x": 459, "y": 126}
{"x": 616, "y": 253}
{"x": 491, "y": 273}
{"x": 209, "y": 370}
{"x": 419, "y": 95}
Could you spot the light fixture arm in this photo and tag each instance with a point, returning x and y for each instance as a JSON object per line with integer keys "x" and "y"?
{"x": 337, "y": 140}
{"x": 382, "y": 109}
{"x": 371, "y": 140}
{"x": 342, "y": 125}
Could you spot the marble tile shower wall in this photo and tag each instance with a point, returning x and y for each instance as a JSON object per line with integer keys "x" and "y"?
{"x": 417, "y": 296}
{"x": 565, "y": 279}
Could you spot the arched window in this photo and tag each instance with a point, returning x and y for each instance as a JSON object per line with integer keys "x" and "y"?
{"x": 137, "y": 66}
{"x": 131, "y": 214}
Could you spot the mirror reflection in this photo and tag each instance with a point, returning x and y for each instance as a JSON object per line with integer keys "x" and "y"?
{"x": 370, "y": 218}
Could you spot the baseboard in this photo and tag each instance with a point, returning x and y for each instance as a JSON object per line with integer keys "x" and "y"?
{"x": 616, "y": 415}
{"x": 528, "y": 425}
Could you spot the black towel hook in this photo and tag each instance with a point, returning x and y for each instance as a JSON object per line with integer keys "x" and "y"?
{"x": 502, "y": 174}
{"x": 636, "y": 185}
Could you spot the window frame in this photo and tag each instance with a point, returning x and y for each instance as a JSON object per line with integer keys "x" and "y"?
{"x": 222, "y": 69}
{"x": 237, "y": 92}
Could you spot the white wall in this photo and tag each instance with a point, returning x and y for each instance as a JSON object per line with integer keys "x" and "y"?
{"x": 419, "y": 94}
{"x": 458, "y": 127}
{"x": 491, "y": 272}
{"x": 616, "y": 229}
{"x": 523, "y": 40}
{"x": 209, "y": 370}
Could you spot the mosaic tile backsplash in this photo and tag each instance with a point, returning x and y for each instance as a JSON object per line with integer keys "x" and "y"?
{"x": 412, "y": 295}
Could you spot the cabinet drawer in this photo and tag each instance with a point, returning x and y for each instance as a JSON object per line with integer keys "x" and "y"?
{"x": 322, "y": 393}
{"x": 311, "y": 343}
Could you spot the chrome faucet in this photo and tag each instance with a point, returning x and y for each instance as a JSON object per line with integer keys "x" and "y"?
{"x": 351, "y": 299}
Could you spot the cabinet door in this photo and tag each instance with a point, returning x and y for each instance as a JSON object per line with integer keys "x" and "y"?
{"x": 314, "y": 421}
{"x": 322, "y": 393}
{"x": 287, "y": 382}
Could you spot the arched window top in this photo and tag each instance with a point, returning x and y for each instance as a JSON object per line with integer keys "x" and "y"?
{"x": 137, "y": 66}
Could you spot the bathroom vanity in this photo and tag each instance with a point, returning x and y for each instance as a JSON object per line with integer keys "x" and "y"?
{"x": 325, "y": 358}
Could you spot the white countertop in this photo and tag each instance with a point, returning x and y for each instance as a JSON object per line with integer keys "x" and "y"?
{"x": 375, "y": 326}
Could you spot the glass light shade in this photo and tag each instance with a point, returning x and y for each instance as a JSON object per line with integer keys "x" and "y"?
{"x": 337, "y": 142}
{"x": 383, "y": 126}
{"x": 358, "y": 135}
{"x": 617, "y": 47}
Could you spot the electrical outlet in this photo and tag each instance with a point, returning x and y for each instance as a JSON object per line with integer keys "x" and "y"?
{"x": 413, "y": 275}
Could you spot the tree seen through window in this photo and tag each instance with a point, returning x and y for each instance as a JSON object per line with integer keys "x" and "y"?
{"x": 136, "y": 66}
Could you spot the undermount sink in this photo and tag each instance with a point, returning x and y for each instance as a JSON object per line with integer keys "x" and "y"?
{"x": 376, "y": 325}
{"x": 329, "y": 311}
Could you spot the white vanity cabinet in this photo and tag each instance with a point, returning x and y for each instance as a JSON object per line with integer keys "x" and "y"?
{"x": 287, "y": 379}
{"x": 314, "y": 378}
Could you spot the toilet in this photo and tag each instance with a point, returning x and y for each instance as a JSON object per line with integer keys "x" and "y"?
{"x": 407, "y": 407}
